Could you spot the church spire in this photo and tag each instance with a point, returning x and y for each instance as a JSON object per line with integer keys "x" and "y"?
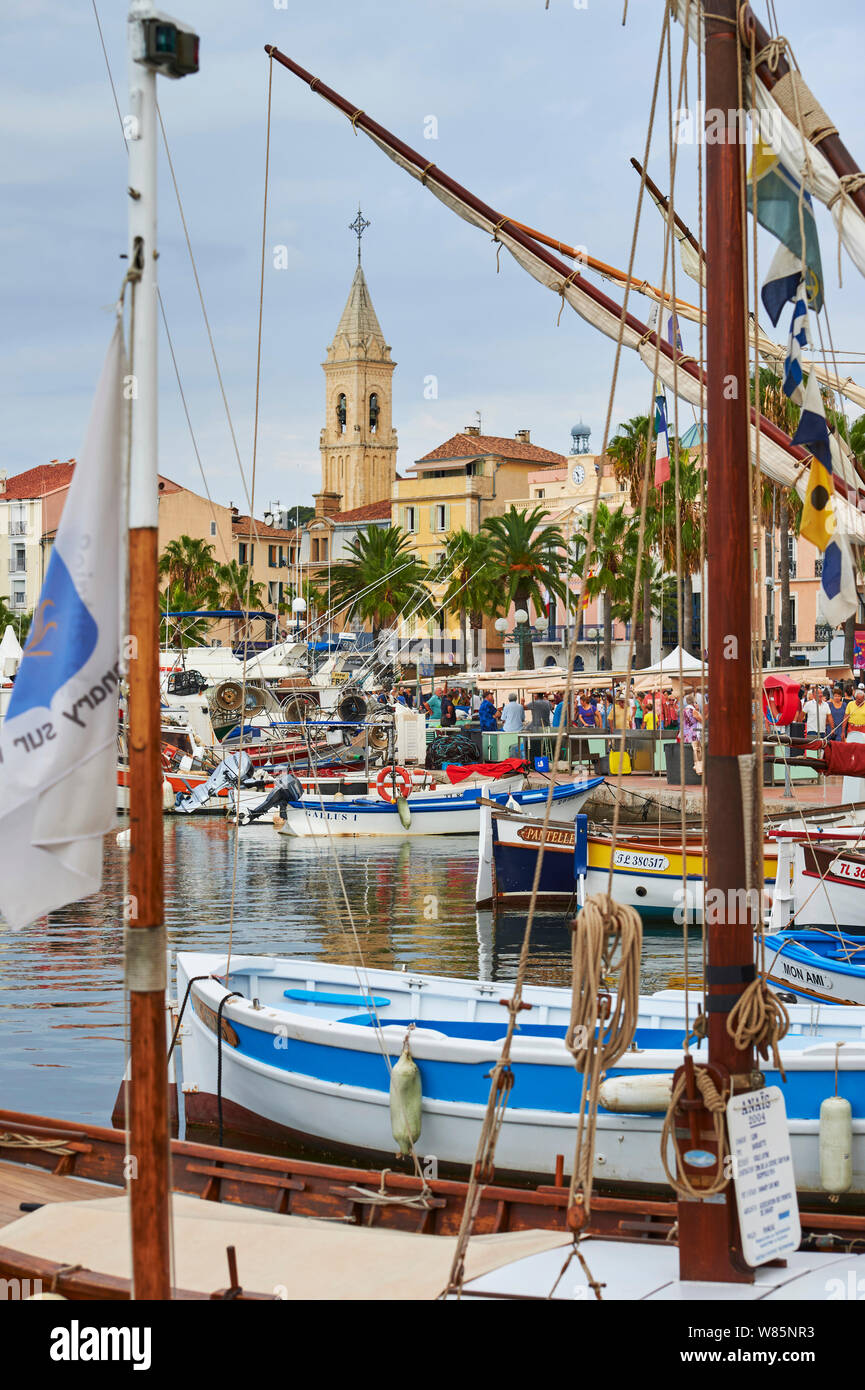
{"x": 358, "y": 442}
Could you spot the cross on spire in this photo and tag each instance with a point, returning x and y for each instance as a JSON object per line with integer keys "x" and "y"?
{"x": 359, "y": 226}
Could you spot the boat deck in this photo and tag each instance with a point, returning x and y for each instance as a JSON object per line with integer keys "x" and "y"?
{"x": 22, "y": 1184}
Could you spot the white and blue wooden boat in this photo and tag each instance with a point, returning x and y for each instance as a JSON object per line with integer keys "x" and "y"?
{"x": 815, "y": 945}
{"x": 302, "y": 1056}
{"x": 453, "y": 811}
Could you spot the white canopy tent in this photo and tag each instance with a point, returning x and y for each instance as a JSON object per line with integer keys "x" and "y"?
{"x": 10, "y": 652}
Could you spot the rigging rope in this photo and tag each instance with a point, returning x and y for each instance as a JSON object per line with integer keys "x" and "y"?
{"x": 599, "y": 1030}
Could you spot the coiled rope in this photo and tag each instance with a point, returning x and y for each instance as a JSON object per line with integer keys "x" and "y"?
{"x": 760, "y": 1020}
{"x": 714, "y": 1102}
{"x": 601, "y": 1028}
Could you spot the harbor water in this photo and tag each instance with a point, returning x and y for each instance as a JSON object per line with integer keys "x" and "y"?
{"x": 403, "y": 903}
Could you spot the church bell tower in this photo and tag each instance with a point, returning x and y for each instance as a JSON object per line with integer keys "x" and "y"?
{"x": 358, "y": 442}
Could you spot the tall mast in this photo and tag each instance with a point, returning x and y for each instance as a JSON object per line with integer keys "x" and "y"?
{"x": 155, "y": 43}
{"x": 708, "y": 1231}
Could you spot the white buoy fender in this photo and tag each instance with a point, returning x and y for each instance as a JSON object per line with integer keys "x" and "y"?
{"x": 167, "y": 795}
{"x": 836, "y": 1144}
{"x": 402, "y": 807}
{"x": 405, "y": 1101}
{"x": 123, "y": 838}
{"x": 624, "y": 1094}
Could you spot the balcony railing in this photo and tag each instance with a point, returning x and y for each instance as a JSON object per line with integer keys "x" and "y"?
{"x": 18, "y": 603}
{"x": 550, "y": 634}
{"x": 17, "y": 566}
{"x": 18, "y": 528}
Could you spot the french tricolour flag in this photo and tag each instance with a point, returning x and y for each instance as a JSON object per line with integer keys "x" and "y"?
{"x": 662, "y": 440}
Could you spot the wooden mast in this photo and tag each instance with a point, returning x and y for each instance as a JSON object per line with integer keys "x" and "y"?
{"x": 149, "y": 1136}
{"x": 708, "y": 1230}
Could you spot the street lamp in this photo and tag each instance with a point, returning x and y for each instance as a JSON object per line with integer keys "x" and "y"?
{"x": 523, "y": 634}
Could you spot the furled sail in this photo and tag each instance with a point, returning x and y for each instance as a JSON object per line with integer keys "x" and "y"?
{"x": 778, "y": 458}
{"x": 778, "y": 109}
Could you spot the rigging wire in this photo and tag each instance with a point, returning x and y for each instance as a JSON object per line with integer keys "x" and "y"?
{"x": 494, "y": 1117}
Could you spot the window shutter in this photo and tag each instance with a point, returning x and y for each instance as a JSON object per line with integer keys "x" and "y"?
{"x": 447, "y": 516}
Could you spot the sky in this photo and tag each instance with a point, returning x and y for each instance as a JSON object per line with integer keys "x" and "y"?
{"x": 537, "y": 111}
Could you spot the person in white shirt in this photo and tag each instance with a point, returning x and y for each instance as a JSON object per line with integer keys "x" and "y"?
{"x": 816, "y": 710}
{"x": 513, "y": 715}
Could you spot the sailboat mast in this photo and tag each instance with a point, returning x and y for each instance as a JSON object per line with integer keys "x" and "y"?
{"x": 145, "y": 936}
{"x": 708, "y": 1232}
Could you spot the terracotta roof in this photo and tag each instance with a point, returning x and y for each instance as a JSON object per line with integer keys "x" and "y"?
{"x": 36, "y": 482}
{"x": 472, "y": 446}
{"x": 373, "y": 511}
{"x": 240, "y": 526}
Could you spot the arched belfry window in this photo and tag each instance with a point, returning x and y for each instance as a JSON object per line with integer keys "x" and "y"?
{"x": 341, "y": 411}
{"x": 373, "y": 412}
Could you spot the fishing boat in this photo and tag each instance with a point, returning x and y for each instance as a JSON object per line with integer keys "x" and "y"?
{"x": 449, "y": 811}
{"x": 814, "y": 943}
{"x": 715, "y": 1256}
{"x": 293, "y": 1048}
{"x": 721, "y": 1243}
{"x": 649, "y": 870}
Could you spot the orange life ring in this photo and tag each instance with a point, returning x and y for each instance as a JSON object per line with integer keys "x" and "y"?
{"x": 390, "y": 775}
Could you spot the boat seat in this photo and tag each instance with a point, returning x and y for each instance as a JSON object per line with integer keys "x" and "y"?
{"x": 317, "y": 996}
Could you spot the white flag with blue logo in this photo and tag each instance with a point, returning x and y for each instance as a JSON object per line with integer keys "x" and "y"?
{"x": 58, "y": 742}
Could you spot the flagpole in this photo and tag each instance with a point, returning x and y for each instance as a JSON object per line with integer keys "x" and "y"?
{"x": 709, "y": 1241}
{"x": 155, "y": 43}
{"x": 149, "y": 1138}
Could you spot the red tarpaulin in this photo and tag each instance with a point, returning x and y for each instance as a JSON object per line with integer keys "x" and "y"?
{"x": 503, "y": 769}
{"x": 845, "y": 759}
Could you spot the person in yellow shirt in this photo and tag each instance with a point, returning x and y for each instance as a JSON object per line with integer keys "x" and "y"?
{"x": 855, "y": 711}
{"x": 853, "y": 788}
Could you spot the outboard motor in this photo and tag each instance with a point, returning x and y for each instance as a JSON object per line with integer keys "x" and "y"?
{"x": 287, "y": 790}
{"x": 232, "y": 772}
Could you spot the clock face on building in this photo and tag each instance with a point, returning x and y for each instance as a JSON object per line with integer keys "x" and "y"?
{"x": 578, "y": 474}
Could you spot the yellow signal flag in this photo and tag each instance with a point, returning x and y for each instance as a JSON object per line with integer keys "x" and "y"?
{"x": 818, "y": 509}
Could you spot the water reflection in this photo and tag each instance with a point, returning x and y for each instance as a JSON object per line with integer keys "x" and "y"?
{"x": 62, "y": 1025}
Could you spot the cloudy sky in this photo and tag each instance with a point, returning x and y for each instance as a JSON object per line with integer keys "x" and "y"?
{"x": 537, "y": 111}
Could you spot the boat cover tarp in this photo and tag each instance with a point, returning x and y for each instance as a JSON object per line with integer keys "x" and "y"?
{"x": 299, "y": 1257}
{"x": 844, "y": 759}
{"x": 493, "y": 770}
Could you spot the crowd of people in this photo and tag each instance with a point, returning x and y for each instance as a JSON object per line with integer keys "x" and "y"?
{"x": 605, "y": 711}
{"x": 837, "y": 713}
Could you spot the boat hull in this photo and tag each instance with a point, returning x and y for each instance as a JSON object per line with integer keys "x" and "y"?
{"x": 451, "y": 813}
{"x": 319, "y": 1073}
{"x": 649, "y": 871}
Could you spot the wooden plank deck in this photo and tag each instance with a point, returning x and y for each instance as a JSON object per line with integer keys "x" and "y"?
{"x": 23, "y": 1184}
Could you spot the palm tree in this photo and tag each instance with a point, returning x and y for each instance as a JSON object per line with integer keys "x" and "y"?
{"x": 857, "y": 438}
{"x": 631, "y": 456}
{"x": 612, "y": 560}
{"x": 525, "y": 558}
{"x": 14, "y": 618}
{"x": 687, "y": 519}
{"x": 237, "y": 590}
{"x": 382, "y": 578}
{"x": 472, "y": 590}
{"x": 189, "y": 562}
{"x": 183, "y": 632}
